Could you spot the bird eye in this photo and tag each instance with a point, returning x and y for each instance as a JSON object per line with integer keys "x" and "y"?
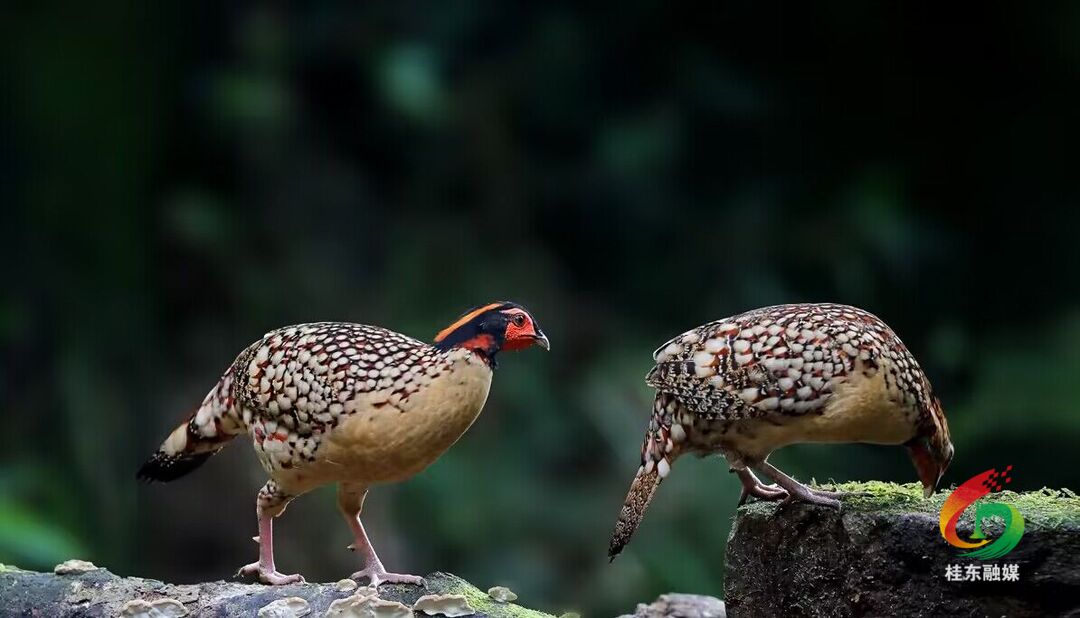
{"x": 519, "y": 320}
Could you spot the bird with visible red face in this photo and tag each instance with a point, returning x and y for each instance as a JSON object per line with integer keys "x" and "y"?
{"x": 355, "y": 405}
{"x": 749, "y": 384}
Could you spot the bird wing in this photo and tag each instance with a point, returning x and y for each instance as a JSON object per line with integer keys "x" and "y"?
{"x": 783, "y": 360}
{"x": 305, "y": 377}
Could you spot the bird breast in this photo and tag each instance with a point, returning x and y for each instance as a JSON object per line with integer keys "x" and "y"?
{"x": 385, "y": 442}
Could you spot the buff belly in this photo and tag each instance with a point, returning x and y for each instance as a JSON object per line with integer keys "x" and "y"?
{"x": 387, "y": 443}
{"x": 861, "y": 409}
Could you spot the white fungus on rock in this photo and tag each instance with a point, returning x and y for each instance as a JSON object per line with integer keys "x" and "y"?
{"x": 137, "y": 608}
{"x": 289, "y": 607}
{"x": 502, "y": 594}
{"x": 345, "y": 585}
{"x": 367, "y": 606}
{"x": 444, "y": 605}
{"x": 74, "y": 567}
{"x": 161, "y": 608}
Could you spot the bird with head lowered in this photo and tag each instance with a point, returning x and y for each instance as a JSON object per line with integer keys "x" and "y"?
{"x": 749, "y": 384}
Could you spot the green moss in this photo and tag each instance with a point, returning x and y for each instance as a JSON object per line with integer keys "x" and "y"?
{"x": 1046, "y": 507}
{"x": 7, "y": 568}
{"x": 878, "y": 496}
{"x": 481, "y": 602}
{"x": 445, "y": 583}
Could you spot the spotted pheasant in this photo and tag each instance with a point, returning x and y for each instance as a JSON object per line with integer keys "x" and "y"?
{"x": 349, "y": 404}
{"x": 755, "y": 382}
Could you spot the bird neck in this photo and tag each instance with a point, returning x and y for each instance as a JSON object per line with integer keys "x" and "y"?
{"x": 483, "y": 345}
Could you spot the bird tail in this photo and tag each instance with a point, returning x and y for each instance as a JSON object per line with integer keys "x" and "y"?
{"x": 633, "y": 510}
{"x": 195, "y": 440}
{"x": 658, "y": 452}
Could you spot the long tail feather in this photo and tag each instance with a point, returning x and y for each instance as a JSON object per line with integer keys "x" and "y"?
{"x": 633, "y": 510}
{"x": 201, "y": 435}
{"x": 659, "y": 449}
{"x": 164, "y": 468}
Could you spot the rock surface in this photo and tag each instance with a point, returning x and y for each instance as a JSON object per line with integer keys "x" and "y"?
{"x": 98, "y": 592}
{"x": 681, "y": 606}
{"x": 882, "y": 554}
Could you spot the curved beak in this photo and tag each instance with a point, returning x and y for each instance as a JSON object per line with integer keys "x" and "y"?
{"x": 930, "y": 472}
{"x": 928, "y": 490}
{"x": 542, "y": 340}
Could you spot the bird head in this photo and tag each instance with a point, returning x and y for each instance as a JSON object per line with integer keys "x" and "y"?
{"x": 932, "y": 449}
{"x": 493, "y": 327}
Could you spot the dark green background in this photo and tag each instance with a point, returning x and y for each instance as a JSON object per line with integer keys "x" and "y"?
{"x": 178, "y": 178}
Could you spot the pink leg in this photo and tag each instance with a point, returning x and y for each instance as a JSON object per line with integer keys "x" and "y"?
{"x": 351, "y": 501}
{"x": 270, "y": 504}
{"x": 797, "y": 492}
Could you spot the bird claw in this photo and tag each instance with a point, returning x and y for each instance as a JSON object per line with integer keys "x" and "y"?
{"x": 752, "y": 486}
{"x": 809, "y": 497}
{"x": 762, "y": 492}
{"x": 268, "y": 575}
{"x": 797, "y": 492}
{"x": 380, "y": 576}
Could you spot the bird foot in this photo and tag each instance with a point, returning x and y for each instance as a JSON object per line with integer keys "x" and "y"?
{"x": 379, "y": 575}
{"x": 269, "y": 575}
{"x": 797, "y": 492}
{"x": 752, "y": 486}
{"x": 762, "y": 492}
{"x": 805, "y": 494}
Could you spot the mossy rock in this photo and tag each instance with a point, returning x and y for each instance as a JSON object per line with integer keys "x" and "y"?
{"x": 883, "y": 554}
{"x": 100, "y": 593}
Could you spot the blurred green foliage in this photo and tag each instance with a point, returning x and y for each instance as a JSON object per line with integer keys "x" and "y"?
{"x": 179, "y": 178}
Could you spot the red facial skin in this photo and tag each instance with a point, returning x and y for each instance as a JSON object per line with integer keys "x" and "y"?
{"x": 520, "y": 331}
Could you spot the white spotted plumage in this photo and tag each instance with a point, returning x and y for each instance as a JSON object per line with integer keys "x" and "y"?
{"x": 349, "y": 404}
{"x": 749, "y": 384}
{"x": 787, "y": 358}
{"x": 753, "y": 382}
{"x": 299, "y": 382}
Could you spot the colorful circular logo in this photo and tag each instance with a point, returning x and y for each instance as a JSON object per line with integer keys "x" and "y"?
{"x": 967, "y": 494}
